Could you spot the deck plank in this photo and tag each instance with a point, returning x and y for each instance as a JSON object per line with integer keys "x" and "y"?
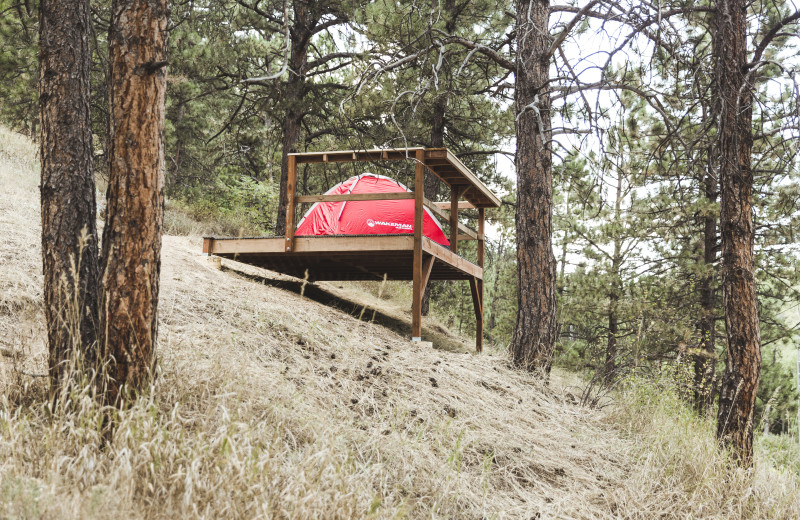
{"x": 343, "y": 257}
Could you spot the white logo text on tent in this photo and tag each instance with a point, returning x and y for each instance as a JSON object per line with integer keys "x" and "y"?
{"x": 399, "y": 225}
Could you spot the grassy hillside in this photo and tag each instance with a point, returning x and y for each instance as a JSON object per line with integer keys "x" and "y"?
{"x": 269, "y": 404}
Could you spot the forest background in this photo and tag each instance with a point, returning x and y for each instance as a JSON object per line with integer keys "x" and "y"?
{"x": 635, "y": 200}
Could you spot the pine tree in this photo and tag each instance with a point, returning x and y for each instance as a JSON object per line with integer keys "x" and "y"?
{"x": 536, "y": 329}
{"x": 69, "y": 233}
{"x": 132, "y": 235}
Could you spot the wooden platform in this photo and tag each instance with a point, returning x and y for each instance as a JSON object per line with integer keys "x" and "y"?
{"x": 412, "y": 257}
{"x": 344, "y": 257}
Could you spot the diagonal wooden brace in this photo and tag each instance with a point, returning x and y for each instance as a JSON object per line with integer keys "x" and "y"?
{"x": 476, "y": 286}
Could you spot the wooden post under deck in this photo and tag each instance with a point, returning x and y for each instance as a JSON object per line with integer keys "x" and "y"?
{"x": 476, "y": 285}
{"x": 291, "y": 189}
{"x": 419, "y": 194}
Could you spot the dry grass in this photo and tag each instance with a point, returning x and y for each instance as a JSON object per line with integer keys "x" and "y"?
{"x": 270, "y": 405}
{"x": 680, "y": 470}
{"x": 20, "y": 258}
{"x": 182, "y": 219}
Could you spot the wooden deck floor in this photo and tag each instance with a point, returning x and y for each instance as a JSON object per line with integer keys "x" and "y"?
{"x": 344, "y": 257}
{"x": 373, "y": 257}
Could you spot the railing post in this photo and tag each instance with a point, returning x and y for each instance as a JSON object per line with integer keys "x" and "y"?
{"x": 416, "y": 268}
{"x": 291, "y": 191}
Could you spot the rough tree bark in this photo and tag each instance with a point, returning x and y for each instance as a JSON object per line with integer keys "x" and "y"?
{"x": 536, "y": 329}
{"x": 438, "y": 123}
{"x": 294, "y": 93}
{"x": 743, "y": 365}
{"x": 69, "y": 231}
{"x": 309, "y": 19}
{"x": 431, "y": 181}
{"x": 132, "y": 235}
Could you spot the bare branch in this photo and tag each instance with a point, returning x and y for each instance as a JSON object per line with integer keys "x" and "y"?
{"x": 771, "y": 34}
{"x": 486, "y": 51}
{"x": 325, "y": 59}
{"x": 571, "y": 25}
{"x": 262, "y": 79}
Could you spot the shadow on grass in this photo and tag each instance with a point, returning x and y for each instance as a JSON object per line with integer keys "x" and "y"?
{"x": 437, "y": 335}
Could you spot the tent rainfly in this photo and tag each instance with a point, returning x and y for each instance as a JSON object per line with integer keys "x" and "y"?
{"x": 368, "y": 217}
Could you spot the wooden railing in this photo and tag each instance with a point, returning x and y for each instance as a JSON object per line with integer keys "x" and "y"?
{"x": 447, "y": 211}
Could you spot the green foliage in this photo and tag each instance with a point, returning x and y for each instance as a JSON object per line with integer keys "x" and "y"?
{"x": 19, "y": 103}
{"x": 776, "y": 402}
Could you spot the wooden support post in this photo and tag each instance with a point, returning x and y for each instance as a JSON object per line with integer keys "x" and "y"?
{"x": 208, "y": 245}
{"x": 476, "y": 285}
{"x": 291, "y": 192}
{"x": 416, "y": 268}
{"x": 481, "y": 216}
{"x": 455, "y": 192}
{"x": 427, "y": 267}
{"x": 479, "y": 282}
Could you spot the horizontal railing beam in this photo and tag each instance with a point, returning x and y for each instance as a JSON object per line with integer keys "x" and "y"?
{"x": 445, "y": 215}
{"x": 461, "y": 205}
{"x": 404, "y": 195}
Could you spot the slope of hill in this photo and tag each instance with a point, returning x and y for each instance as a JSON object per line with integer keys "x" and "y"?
{"x": 269, "y": 404}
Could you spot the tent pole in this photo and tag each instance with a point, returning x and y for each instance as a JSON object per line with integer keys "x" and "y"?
{"x": 416, "y": 268}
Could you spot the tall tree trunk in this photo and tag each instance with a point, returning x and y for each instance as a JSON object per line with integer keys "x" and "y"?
{"x": 743, "y": 364}
{"x": 705, "y": 359}
{"x": 431, "y": 181}
{"x": 294, "y": 92}
{"x": 132, "y": 235}
{"x": 69, "y": 230}
{"x": 613, "y": 325}
{"x": 438, "y": 123}
{"x": 291, "y": 136}
{"x": 615, "y": 290}
{"x": 536, "y": 329}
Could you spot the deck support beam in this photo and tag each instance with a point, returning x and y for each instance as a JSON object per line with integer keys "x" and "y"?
{"x": 416, "y": 268}
{"x": 476, "y": 285}
{"x": 427, "y": 267}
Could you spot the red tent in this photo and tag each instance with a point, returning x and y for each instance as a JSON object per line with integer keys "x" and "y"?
{"x": 374, "y": 217}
